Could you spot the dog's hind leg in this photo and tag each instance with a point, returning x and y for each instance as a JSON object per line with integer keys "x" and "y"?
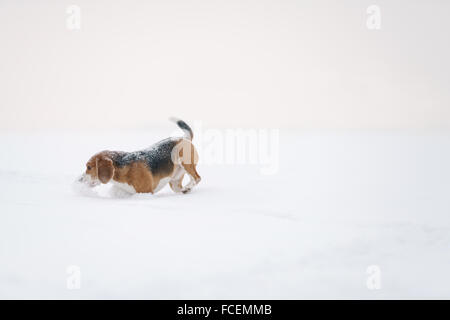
{"x": 176, "y": 182}
{"x": 193, "y": 175}
{"x": 186, "y": 156}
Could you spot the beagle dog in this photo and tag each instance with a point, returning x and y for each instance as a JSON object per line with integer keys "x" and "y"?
{"x": 148, "y": 170}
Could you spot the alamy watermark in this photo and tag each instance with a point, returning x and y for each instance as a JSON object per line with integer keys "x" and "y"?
{"x": 373, "y": 281}
{"x": 373, "y": 21}
{"x": 73, "y": 20}
{"x": 257, "y": 147}
{"x": 73, "y": 281}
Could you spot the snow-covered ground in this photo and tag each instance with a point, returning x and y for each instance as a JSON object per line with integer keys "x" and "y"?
{"x": 340, "y": 202}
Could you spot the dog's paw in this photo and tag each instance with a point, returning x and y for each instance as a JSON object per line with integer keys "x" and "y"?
{"x": 186, "y": 190}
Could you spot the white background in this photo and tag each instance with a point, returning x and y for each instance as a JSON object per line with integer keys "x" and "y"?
{"x": 363, "y": 173}
{"x": 302, "y": 64}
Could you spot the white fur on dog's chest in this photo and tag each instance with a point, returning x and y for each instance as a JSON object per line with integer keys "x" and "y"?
{"x": 130, "y": 189}
{"x": 124, "y": 187}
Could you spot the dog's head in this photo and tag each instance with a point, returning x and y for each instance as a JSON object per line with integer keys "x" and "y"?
{"x": 99, "y": 169}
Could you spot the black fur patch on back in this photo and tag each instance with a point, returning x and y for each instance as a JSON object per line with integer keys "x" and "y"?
{"x": 158, "y": 157}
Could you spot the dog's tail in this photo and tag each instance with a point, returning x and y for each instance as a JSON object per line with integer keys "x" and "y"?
{"x": 188, "y": 134}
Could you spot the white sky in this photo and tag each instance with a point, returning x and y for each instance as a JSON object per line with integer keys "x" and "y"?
{"x": 303, "y": 64}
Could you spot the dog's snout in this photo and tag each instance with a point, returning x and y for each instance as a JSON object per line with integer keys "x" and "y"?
{"x": 86, "y": 179}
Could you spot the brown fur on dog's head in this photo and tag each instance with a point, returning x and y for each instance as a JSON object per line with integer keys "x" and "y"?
{"x": 100, "y": 167}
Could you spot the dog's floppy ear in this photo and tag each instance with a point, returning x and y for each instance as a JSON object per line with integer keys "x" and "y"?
{"x": 105, "y": 169}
